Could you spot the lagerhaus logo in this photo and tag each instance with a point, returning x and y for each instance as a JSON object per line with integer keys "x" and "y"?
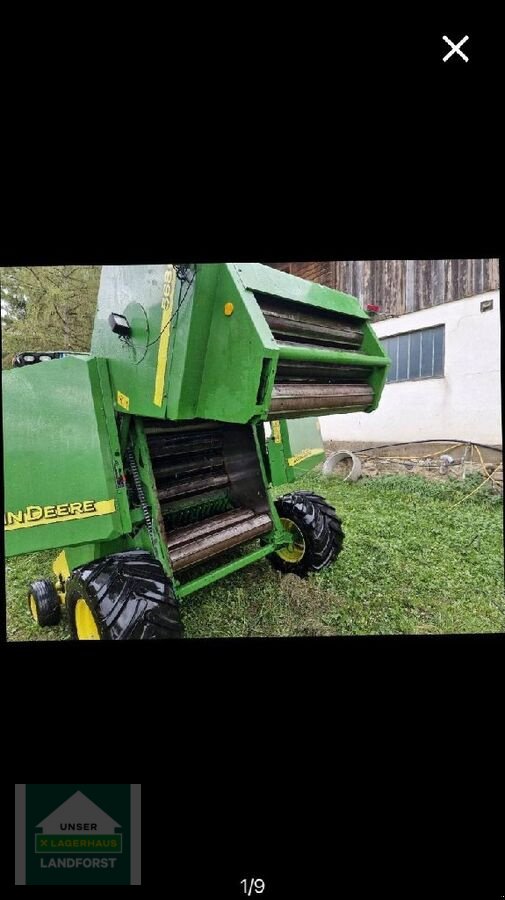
{"x": 78, "y": 834}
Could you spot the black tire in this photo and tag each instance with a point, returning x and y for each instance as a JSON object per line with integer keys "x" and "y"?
{"x": 44, "y": 603}
{"x": 320, "y": 528}
{"x": 128, "y": 596}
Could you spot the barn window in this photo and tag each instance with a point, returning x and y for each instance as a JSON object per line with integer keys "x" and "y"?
{"x": 416, "y": 354}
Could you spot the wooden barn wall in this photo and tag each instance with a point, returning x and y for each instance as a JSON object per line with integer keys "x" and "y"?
{"x": 399, "y": 286}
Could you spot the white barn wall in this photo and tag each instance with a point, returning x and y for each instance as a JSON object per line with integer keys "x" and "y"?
{"x": 464, "y": 404}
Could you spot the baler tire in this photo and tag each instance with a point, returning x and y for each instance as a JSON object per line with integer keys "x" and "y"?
{"x": 128, "y": 597}
{"x": 320, "y": 527}
{"x": 44, "y": 603}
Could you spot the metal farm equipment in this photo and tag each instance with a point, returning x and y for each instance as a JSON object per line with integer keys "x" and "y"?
{"x": 146, "y": 462}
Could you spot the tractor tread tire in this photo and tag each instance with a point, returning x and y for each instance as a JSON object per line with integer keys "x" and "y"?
{"x": 47, "y": 602}
{"x": 321, "y": 529}
{"x": 129, "y": 595}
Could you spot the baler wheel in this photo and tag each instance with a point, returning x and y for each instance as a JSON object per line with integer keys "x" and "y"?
{"x": 126, "y": 596}
{"x": 44, "y": 603}
{"x": 316, "y": 530}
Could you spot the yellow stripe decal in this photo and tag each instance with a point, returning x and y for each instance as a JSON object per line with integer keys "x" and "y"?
{"x": 276, "y": 431}
{"x": 293, "y": 460}
{"x": 166, "y": 306}
{"x": 63, "y": 512}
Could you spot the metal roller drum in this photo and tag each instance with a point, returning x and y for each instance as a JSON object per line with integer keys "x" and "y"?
{"x": 319, "y": 373}
{"x": 195, "y": 544}
{"x": 290, "y": 322}
{"x": 288, "y": 399}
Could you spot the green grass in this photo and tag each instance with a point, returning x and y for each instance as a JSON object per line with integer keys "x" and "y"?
{"x": 412, "y": 563}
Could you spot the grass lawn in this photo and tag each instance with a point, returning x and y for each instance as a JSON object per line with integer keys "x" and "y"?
{"x": 412, "y": 563}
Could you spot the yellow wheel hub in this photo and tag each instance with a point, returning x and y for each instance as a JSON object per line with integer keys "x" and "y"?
{"x": 294, "y": 551}
{"x": 33, "y": 607}
{"x": 84, "y": 622}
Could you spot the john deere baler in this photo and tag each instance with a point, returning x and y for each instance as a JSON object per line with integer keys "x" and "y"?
{"x": 146, "y": 462}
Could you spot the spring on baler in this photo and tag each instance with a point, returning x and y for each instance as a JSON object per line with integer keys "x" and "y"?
{"x": 140, "y": 490}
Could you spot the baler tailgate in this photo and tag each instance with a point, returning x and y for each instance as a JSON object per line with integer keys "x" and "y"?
{"x": 62, "y": 466}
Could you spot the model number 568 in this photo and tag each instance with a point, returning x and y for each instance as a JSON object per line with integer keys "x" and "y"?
{"x": 167, "y": 287}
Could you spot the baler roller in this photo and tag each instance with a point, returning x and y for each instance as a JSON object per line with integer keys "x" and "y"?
{"x": 301, "y": 371}
{"x": 154, "y": 426}
{"x": 290, "y": 399}
{"x": 291, "y": 322}
{"x": 192, "y": 486}
{"x": 195, "y": 544}
{"x": 172, "y": 470}
{"x": 170, "y": 444}
{"x": 186, "y": 460}
{"x": 181, "y": 536}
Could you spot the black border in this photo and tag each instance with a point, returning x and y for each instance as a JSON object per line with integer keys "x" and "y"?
{"x": 409, "y": 166}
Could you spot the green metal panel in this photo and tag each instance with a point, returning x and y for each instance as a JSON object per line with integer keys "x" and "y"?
{"x": 222, "y": 571}
{"x": 295, "y": 447}
{"x": 241, "y": 356}
{"x": 190, "y": 334}
{"x": 276, "y": 443}
{"x": 137, "y": 292}
{"x": 304, "y": 435}
{"x": 306, "y": 448}
{"x": 201, "y": 337}
{"x": 62, "y": 465}
{"x": 377, "y": 379}
{"x": 305, "y": 463}
{"x": 200, "y": 346}
{"x": 264, "y": 279}
{"x": 81, "y": 554}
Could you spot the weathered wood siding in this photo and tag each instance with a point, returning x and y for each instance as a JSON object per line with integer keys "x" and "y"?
{"x": 399, "y": 286}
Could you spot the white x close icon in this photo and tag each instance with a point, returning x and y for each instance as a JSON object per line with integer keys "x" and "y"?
{"x": 455, "y": 48}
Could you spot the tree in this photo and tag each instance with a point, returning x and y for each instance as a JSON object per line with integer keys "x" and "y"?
{"x": 47, "y": 308}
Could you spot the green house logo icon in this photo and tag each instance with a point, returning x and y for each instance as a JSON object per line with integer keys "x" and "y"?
{"x": 78, "y": 826}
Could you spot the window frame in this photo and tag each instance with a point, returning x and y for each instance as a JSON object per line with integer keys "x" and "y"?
{"x": 395, "y": 363}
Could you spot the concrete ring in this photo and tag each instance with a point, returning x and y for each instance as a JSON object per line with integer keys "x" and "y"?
{"x": 337, "y": 457}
